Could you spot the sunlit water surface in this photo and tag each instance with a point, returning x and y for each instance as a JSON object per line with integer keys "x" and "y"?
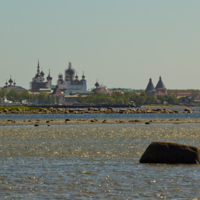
{"x": 94, "y": 162}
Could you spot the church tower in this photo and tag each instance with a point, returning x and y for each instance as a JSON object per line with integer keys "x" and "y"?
{"x": 160, "y": 87}
{"x": 150, "y": 90}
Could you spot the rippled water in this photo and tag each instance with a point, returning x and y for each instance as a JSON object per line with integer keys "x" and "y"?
{"x": 16, "y": 117}
{"x": 94, "y": 162}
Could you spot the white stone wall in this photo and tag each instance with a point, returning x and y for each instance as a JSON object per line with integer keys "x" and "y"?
{"x": 75, "y": 87}
{"x": 66, "y": 85}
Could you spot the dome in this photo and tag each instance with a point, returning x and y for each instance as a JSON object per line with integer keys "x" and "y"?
{"x": 10, "y": 81}
{"x": 49, "y": 77}
{"x": 60, "y": 76}
{"x": 83, "y": 77}
{"x": 97, "y": 84}
{"x": 37, "y": 75}
{"x": 76, "y": 77}
{"x": 42, "y": 73}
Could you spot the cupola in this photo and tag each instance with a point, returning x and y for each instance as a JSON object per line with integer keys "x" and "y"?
{"x": 10, "y": 81}
{"x": 97, "y": 84}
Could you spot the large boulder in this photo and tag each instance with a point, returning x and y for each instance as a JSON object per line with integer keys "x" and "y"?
{"x": 171, "y": 153}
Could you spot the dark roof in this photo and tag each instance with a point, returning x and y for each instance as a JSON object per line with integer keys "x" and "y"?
{"x": 150, "y": 86}
{"x": 10, "y": 87}
{"x": 160, "y": 84}
{"x": 57, "y": 91}
{"x": 99, "y": 90}
{"x": 161, "y": 93}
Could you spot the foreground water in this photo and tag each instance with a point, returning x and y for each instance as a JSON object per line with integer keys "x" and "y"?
{"x": 94, "y": 162}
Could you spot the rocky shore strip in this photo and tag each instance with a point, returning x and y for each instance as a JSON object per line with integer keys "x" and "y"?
{"x": 109, "y": 110}
{"x": 66, "y": 122}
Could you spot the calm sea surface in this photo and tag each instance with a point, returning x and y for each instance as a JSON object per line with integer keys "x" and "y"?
{"x": 20, "y": 117}
{"x": 94, "y": 161}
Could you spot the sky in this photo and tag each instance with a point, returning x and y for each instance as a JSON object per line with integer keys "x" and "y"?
{"x": 122, "y": 43}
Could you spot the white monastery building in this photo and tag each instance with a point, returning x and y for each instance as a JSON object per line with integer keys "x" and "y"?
{"x": 70, "y": 81}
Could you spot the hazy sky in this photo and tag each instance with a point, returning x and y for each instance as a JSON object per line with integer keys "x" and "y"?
{"x": 121, "y": 42}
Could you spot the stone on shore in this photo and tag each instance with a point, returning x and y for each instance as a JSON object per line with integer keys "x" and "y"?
{"x": 171, "y": 153}
{"x": 188, "y": 110}
{"x": 110, "y": 108}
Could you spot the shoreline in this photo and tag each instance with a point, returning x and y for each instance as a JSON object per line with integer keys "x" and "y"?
{"x": 109, "y": 110}
{"x": 96, "y": 121}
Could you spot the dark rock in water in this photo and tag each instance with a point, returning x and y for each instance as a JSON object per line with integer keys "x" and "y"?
{"x": 93, "y": 120}
{"x": 188, "y": 110}
{"x": 147, "y": 123}
{"x": 110, "y": 108}
{"x": 67, "y": 120}
{"x": 136, "y": 120}
{"x": 171, "y": 153}
{"x": 36, "y": 125}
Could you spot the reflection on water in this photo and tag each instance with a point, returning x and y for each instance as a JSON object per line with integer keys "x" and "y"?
{"x": 93, "y": 162}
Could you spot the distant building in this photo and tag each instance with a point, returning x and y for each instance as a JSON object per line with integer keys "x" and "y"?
{"x": 60, "y": 99}
{"x": 5, "y": 101}
{"x": 150, "y": 90}
{"x": 70, "y": 81}
{"x": 39, "y": 83}
{"x": 100, "y": 90}
{"x": 159, "y": 90}
{"x": 110, "y": 92}
{"x": 100, "y": 86}
{"x": 183, "y": 94}
{"x": 12, "y": 86}
{"x": 160, "y": 87}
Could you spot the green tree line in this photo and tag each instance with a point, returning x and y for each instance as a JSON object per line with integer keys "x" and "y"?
{"x": 43, "y": 97}
{"x": 125, "y": 99}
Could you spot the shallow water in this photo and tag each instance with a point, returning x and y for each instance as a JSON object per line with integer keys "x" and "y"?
{"x": 21, "y": 117}
{"x": 94, "y": 162}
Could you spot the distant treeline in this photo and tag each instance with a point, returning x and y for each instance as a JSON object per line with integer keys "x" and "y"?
{"x": 43, "y": 97}
{"x": 125, "y": 99}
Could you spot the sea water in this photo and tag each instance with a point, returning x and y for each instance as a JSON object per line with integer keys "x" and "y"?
{"x": 94, "y": 162}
